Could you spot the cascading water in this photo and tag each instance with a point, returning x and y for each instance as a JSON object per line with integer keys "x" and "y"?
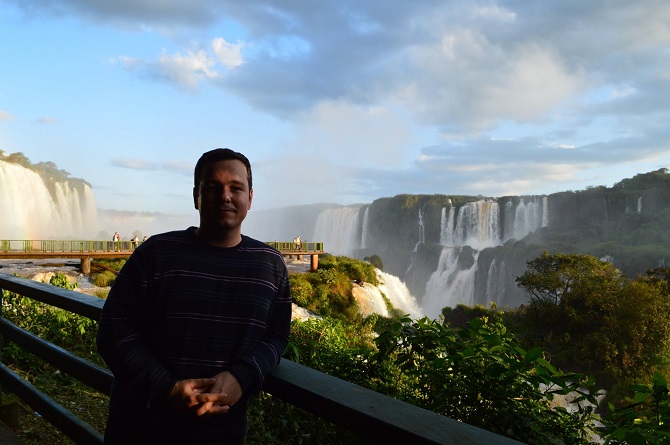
{"x": 453, "y": 281}
{"x": 464, "y": 234}
{"x": 364, "y": 230}
{"x": 477, "y": 225}
{"x": 422, "y": 227}
{"x": 527, "y": 218}
{"x": 338, "y": 229}
{"x": 31, "y": 211}
{"x": 447, "y": 226}
{"x": 396, "y": 291}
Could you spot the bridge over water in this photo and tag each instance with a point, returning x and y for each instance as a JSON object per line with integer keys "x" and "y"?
{"x": 86, "y": 250}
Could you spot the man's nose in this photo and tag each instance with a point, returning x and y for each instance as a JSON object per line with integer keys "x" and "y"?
{"x": 227, "y": 194}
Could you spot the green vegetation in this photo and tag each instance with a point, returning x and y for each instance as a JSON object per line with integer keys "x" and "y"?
{"x": 69, "y": 331}
{"x": 593, "y": 319}
{"x": 375, "y": 260}
{"x": 104, "y": 271}
{"x": 328, "y": 290}
{"x": 104, "y": 279}
{"x": 497, "y": 370}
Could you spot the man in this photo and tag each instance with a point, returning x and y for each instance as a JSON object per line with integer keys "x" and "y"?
{"x": 195, "y": 320}
{"x": 116, "y": 238}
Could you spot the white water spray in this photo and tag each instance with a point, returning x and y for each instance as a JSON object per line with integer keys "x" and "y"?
{"x": 30, "y": 211}
{"x": 338, "y": 229}
{"x": 396, "y": 291}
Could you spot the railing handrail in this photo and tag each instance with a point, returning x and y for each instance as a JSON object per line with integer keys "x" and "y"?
{"x": 372, "y": 415}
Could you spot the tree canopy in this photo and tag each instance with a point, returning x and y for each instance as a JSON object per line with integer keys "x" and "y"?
{"x": 593, "y": 319}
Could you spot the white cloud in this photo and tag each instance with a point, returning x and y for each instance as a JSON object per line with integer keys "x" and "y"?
{"x": 228, "y": 54}
{"x": 186, "y": 70}
{"x": 5, "y": 115}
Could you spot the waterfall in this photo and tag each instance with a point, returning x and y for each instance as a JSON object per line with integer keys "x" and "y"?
{"x": 364, "y": 229}
{"x": 453, "y": 282}
{"x": 338, "y": 229}
{"x": 639, "y": 204}
{"x": 396, "y": 291}
{"x": 447, "y": 226}
{"x": 422, "y": 228}
{"x": 526, "y": 218}
{"x": 478, "y": 225}
{"x": 491, "y": 282}
{"x": 31, "y": 211}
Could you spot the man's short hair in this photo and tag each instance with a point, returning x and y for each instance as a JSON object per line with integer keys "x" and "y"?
{"x": 219, "y": 154}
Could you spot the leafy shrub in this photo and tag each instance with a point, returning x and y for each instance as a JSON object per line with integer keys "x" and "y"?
{"x": 355, "y": 270}
{"x": 101, "y": 293}
{"x": 644, "y": 418}
{"x": 480, "y": 375}
{"x": 70, "y": 331}
{"x": 328, "y": 290}
{"x": 335, "y": 347}
{"x": 375, "y": 260}
{"x": 104, "y": 279}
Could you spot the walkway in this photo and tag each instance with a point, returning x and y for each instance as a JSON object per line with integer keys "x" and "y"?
{"x": 86, "y": 250}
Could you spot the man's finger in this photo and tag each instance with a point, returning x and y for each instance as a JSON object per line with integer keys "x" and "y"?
{"x": 204, "y": 408}
{"x": 207, "y": 397}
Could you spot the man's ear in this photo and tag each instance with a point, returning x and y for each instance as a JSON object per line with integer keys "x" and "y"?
{"x": 251, "y": 198}
{"x": 196, "y": 195}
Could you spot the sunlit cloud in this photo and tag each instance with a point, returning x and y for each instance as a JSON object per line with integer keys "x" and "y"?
{"x": 229, "y": 55}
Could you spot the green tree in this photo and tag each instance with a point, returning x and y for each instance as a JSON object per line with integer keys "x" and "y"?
{"x": 593, "y": 319}
{"x": 375, "y": 260}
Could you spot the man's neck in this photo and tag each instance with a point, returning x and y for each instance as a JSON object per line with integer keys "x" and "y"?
{"x": 218, "y": 238}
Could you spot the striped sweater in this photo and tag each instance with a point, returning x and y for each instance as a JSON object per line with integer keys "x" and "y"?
{"x": 183, "y": 309}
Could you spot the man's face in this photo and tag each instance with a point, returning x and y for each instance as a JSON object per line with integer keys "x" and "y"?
{"x": 223, "y": 196}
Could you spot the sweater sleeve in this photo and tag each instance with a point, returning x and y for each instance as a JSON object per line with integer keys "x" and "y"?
{"x": 251, "y": 370}
{"x": 119, "y": 336}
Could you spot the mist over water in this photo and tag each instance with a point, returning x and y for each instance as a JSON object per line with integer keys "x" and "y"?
{"x": 32, "y": 210}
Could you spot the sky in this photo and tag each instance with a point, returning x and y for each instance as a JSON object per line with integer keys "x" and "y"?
{"x": 337, "y": 102}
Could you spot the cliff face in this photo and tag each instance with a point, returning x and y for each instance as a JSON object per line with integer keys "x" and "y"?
{"x": 470, "y": 249}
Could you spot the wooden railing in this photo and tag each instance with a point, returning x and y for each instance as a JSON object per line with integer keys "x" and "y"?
{"x": 369, "y": 414}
